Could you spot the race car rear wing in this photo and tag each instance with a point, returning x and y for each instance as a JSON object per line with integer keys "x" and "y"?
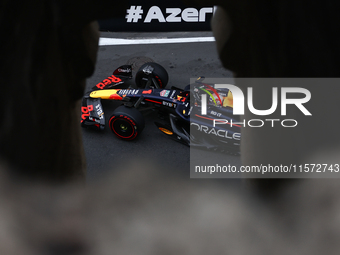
{"x": 92, "y": 114}
{"x": 119, "y": 77}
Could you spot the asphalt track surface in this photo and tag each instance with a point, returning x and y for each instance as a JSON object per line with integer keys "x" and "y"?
{"x": 108, "y": 154}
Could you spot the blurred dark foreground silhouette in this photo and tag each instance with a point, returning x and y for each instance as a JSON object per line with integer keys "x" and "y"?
{"x": 48, "y": 50}
{"x": 141, "y": 210}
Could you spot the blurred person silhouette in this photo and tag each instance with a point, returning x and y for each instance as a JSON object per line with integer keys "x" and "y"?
{"x": 284, "y": 39}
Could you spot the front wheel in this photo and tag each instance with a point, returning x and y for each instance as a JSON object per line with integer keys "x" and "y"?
{"x": 126, "y": 123}
{"x": 152, "y": 73}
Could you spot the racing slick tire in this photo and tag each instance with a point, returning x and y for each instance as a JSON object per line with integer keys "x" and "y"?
{"x": 126, "y": 123}
{"x": 159, "y": 73}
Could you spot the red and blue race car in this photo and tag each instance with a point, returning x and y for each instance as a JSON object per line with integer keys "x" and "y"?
{"x": 179, "y": 109}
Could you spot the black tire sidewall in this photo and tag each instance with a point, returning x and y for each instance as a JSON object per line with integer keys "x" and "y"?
{"x": 130, "y": 116}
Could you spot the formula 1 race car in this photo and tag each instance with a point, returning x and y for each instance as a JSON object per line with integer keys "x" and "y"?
{"x": 179, "y": 109}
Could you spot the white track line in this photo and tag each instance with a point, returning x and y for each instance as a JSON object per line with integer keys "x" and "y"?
{"x": 118, "y": 41}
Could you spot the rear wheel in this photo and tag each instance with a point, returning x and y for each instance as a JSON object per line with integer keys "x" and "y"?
{"x": 152, "y": 70}
{"x": 126, "y": 123}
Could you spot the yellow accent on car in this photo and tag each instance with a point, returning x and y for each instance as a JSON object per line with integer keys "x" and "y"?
{"x": 228, "y": 100}
{"x": 166, "y": 131}
{"x": 104, "y": 94}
